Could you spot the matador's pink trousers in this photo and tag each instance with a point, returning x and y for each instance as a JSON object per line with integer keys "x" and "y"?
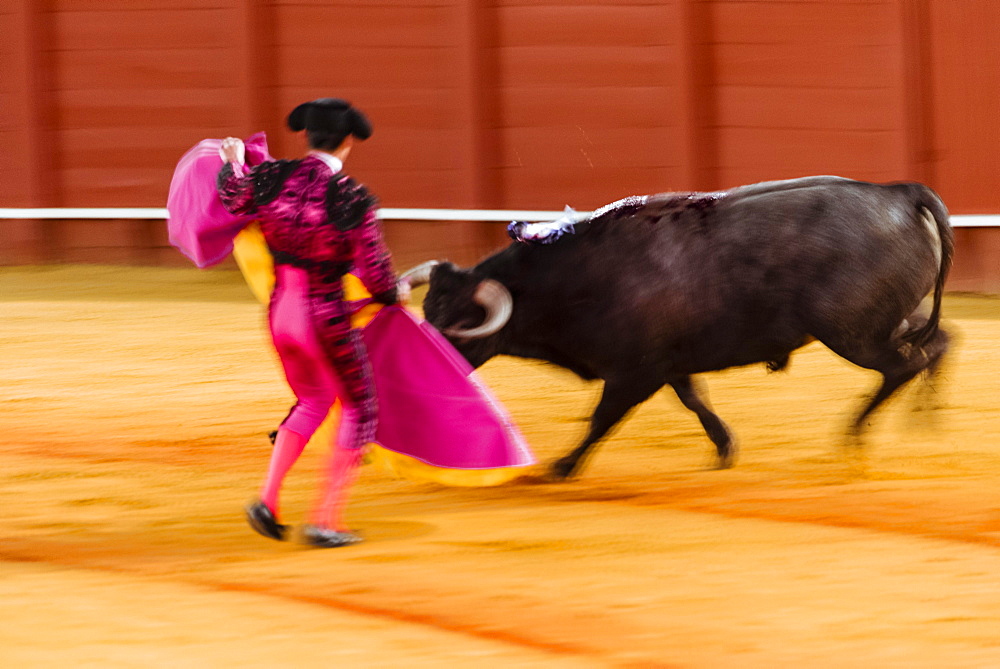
{"x": 317, "y": 384}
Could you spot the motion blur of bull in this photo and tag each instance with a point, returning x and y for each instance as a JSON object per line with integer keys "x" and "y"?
{"x": 650, "y": 290}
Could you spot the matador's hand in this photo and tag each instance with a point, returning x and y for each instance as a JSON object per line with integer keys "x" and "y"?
{"x": 403, "y": 292}
{"x": 232, "y": 150}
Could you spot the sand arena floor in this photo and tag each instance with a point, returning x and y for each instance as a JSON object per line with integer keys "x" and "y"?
{"x": 134, "y": 406}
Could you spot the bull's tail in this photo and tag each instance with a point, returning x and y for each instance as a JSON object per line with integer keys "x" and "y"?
{"x": 933, "y": 213}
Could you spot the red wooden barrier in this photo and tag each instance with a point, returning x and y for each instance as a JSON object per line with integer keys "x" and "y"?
{"x": 509, "y": 103}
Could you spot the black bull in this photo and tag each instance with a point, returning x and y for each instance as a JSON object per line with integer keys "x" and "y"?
{"x": 652, "y": 290}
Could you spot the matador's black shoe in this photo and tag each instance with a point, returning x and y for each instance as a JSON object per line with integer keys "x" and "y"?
{"x": 264, "y": 523}
{"x": 322, "y": 537}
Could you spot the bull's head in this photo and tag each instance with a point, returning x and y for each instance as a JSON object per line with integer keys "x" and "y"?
{"x": 469, "y": 310}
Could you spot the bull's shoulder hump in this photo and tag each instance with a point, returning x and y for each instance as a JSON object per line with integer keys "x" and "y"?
{"x": 766, "y": 187}
{"x": 676, "y": 199}
{"x": 821, "y": 186}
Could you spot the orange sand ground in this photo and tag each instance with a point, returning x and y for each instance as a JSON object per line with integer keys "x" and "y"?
{"x": 134, "y": 408}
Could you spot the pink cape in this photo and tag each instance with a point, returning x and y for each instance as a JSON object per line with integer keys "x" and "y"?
{"x": 197, "y": 223}
{"x": 432, "y": 406}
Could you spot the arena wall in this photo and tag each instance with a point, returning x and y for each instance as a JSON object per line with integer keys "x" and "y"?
{"x": 497, "y": 104}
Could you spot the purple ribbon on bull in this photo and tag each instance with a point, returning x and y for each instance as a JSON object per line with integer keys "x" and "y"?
{"x": 545, "y": 232}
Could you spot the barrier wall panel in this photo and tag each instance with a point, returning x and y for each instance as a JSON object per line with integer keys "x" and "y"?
{"x": 97, "y": 234}
{"x": 460, "y": 242}
{"x": 196, "y": 110}
{"x": 407, "y": 163}
{"x": 401, "y": 108}
{"x": 555, "y": 187}
{"x": 804, "y": 65}
{"x": 8, "y": 119}
{"x": 588, "y": 147}
{"x": 977, "y": 261}
{"x": 8, "y": 46}
{"x": 761, "y": 154}
{"x": 365, "y": 26}
{"x": 136, "y": 85}
{"x": 406, "y": 148}
{"x": 367, "y": 3}
{"x": 12, "y": 185}
{"x": 756, "y": 5}
{"x": 101, "y": 242}
{"x": 128, "y": 147}
{"x": 414, "y": 188}
{"x": 829, "y": 109}
{"x": 828, "y": 22}
{"x": 402, "y": 65}
{"x": 966, "y": 122}
{"x": 10, "y": 89}
{"x": 34, "y": 178}
{"x": 131, "y": 5}
{"x": 24, "y": 242}
{"x": 163, "y": 29}
{"x": 605, "y": 25}
{"x": 544, "y": 65}
{"x": 508, "y": 103}
{"x": 144, "y": 69}
{"x": 331, "y": 68}
{"x": 130, "y": 186}
{"x": 593, "y": 4}
{"x": 589, "y": 102}
{"x": 808, "y": 88}
{"x": 591, "y": 106}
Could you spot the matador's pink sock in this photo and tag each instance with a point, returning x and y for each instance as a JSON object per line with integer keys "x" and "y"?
{"x": 288, "y": 447}
{"x": 341, "y": 471}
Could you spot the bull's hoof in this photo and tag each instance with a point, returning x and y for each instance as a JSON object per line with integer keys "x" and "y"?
{"x": 563, "y": 468}
{"x": 726, "y": 457}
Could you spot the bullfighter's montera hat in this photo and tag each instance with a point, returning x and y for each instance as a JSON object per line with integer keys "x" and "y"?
{"x": 331, "y": 115}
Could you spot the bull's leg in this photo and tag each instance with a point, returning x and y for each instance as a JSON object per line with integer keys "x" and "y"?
{"x": 687, "y": 392}
{"x": 618, "y": 397}
{"x": 901, "y": 370}
{"x": 896, "y": 366}
{"x": 929, "y": 398}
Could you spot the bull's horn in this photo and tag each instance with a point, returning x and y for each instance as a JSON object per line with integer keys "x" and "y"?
{"x": 419, "y": 275}
{"x": 495, "y": 298}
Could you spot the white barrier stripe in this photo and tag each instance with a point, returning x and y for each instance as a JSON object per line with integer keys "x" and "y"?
{"x": 388, "y": 213}
{"x": 72, "y": 213}
{"x": 506, "y": 215}
{"x": 975, "y": 220}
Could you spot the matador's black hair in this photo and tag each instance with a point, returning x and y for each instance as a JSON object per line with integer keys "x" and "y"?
{"x": 328, "y": 122}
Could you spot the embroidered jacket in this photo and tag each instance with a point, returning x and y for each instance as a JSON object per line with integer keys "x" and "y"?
{"x": 323, "y": 222}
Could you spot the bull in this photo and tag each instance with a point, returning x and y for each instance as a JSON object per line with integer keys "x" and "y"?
{"x": 651, "y": 290}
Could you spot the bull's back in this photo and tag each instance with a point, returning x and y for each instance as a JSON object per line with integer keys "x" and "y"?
{"x": 831, "y": 256}
{"x": 837, "y": 240}
{"x": 737, "y": 277}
